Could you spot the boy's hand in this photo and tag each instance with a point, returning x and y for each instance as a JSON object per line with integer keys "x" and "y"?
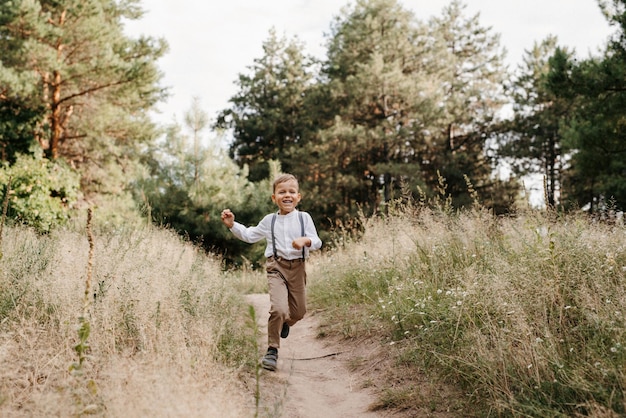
{"x": 298, "y": 243}
{"x": 228, "y": 218}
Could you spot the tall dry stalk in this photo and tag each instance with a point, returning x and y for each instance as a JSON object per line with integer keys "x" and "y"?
{"x": 84, "y": 329}
{"x": 5, "y": 208}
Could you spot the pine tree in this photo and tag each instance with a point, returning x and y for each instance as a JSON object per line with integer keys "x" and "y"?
{"x": 595, "y": 178}
{"x": 533, "y": 139}
{"x": 268, "y": 114}
{"x": 92, "y": 84}
{"x": 471, "y": 78}
{"x": 378, "y": 83}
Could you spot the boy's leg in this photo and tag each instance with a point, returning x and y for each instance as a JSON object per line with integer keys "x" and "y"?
{"x": 287, "y": 290}
{"x": 296, "y": 284}
{"x": 279, "y": 305}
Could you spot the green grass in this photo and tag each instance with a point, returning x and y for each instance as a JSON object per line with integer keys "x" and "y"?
{"x": 525, "y": 313}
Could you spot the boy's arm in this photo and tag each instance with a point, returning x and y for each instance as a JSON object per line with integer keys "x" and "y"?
{"x": 310, "y": 238}
{"x": 250, "y": 234}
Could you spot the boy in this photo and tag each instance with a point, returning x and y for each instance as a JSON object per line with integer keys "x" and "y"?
{"x": 290, "y": 235}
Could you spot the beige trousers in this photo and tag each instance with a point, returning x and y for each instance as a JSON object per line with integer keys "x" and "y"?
{"x": 286, "y": 281}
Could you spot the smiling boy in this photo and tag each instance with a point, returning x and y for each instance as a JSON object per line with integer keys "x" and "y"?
{"x": 290, "y": 235}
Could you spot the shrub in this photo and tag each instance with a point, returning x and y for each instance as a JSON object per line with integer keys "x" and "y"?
{"x": 42, "y": 192}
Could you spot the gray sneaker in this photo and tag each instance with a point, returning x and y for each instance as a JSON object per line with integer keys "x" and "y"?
{"x": 270, "y": 359}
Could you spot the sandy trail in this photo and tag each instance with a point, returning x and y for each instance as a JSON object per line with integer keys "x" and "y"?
{"x": 312, "y": 380}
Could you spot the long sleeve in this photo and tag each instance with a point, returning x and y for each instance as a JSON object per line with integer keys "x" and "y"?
{"x": 253, "y": 234}
{"x": 286, "y": 229}
{"x": 311, "y": 232}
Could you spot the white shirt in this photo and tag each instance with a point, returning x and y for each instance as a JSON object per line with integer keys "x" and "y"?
{"x": 286, "y": 229}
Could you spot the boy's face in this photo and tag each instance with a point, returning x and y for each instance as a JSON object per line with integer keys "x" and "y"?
{"x": 286, "y": 196}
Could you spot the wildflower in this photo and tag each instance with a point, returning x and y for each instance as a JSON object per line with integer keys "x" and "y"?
{"x": 439, "y": 291}
{"x": 538, "y": 340}
{"x": 459, "y": 302}
{"x": 530, "y": 366}
{"x": 613, "y": 349}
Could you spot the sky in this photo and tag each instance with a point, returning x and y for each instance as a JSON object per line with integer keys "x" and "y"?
{"x": 212, "y": 42}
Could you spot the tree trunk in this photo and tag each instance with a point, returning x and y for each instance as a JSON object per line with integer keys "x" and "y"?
{"x": 55, "y": 117}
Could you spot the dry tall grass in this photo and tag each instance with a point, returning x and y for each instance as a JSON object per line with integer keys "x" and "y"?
{"x": 524, "y": 314}
{"x": 160, "y": 320}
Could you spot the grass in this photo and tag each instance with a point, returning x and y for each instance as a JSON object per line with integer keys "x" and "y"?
{"x": 522, "y": 316}
{"x": 475, "y": 316}
{"x": 164, "y": 336}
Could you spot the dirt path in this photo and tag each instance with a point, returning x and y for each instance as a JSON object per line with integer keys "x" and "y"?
{"x": 312, "y": 380}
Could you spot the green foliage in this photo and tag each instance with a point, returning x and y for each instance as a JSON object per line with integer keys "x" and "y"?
{"x": 533, "y": 139}
{"x": 82, "y": 347}
{"x": 76, "y": 86}
{"x": 595, "y": 135}
{"x": 42, "y": 192}
{"x": 191, "y": 180}
{"x": 387, "y": 108}
{"x": 269, "y": 116}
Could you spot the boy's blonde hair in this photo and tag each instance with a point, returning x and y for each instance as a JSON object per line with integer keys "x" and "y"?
{"x": 283, "y": 178}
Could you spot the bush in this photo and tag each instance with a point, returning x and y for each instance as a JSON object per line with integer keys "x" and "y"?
{"x": 42, "y": 192}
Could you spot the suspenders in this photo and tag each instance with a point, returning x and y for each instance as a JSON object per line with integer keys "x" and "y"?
{"x": 274, "y": 238}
